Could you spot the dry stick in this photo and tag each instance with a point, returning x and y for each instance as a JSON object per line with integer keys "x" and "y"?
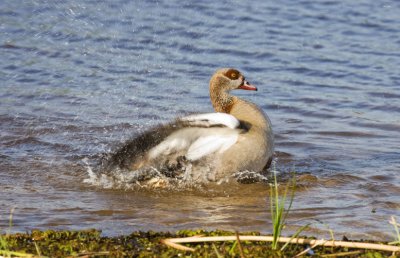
{"x": 176, "y": 246}
{"x": 180, "y": 247}
{"x": 240, "y": 245}
{"x": 308, "y": 249}
{"x": 175, "y": 242}
{"x": 16, "y": 254}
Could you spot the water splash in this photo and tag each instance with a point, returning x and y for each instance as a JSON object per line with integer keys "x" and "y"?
{"x": 248, "y": 177}
{"x": 153, "y": 178}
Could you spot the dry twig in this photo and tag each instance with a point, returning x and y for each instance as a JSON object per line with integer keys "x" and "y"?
{"x": 176, "y": 242}
{"x": 240, "y": 245}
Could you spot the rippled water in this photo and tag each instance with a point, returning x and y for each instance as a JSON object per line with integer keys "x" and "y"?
{"x": 77, "y": 79}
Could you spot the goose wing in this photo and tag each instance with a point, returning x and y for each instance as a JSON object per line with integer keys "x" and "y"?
{"x": 212, "y": 120}
{"x": 203, "y": 135}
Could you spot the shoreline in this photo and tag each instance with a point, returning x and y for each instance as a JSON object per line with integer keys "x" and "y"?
{"x": 91, "y": 243}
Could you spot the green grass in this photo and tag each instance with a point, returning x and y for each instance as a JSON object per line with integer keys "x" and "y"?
{"x": 278, "y": 211}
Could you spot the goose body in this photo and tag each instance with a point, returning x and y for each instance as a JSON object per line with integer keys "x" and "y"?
{"x": 206, "y": 147}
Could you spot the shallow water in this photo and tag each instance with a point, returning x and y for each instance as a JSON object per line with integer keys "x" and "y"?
{"x": 77, "y": 79}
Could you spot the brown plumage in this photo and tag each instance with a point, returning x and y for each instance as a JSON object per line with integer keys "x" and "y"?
{"x": 254, "y": 148}
{"x": 215, "y": 145}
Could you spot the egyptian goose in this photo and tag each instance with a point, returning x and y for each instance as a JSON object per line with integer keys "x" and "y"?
{"x": 205, "y": 147}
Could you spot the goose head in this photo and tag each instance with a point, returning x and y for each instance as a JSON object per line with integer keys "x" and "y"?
{"x": 227, "y": 79}
{"x": 223, "y": 81}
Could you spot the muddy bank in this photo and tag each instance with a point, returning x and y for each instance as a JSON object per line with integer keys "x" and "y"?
{"x": 90, "y": 243}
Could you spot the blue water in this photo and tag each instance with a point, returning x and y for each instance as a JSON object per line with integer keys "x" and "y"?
{"x": 79, "y": 78}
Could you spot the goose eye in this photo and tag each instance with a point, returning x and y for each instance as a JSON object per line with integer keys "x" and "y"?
{"x": 232, "y": 74}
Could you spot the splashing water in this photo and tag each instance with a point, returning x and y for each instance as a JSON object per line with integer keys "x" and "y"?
{"x": 152, "y": 178}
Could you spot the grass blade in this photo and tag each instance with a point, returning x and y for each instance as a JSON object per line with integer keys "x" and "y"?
{"x": 295, "y": 235}
{"x": 277, "y": 207}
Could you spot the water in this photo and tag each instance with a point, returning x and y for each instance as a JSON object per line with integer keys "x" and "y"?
{"x": 77, "y": 79}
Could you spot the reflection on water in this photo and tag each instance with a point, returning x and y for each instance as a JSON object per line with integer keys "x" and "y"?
{"x": 78, "y": 79}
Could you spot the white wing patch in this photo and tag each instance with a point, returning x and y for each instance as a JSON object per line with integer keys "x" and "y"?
{"x": 169, "y": 146}
{"x": 206, "y": 145}
{"x": 212, "y": 119}
{"x": 196, "y": 143}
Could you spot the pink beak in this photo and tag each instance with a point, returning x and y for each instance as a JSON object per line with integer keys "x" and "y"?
{"x": 247, "y": 86}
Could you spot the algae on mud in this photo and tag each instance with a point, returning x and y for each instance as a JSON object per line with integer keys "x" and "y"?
{"x": 90, "y": 243}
